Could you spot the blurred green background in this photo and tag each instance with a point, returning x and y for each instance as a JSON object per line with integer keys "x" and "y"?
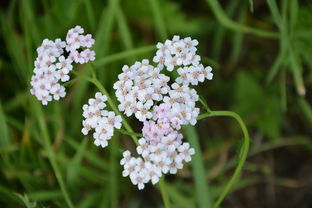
{"x": 262, "y": 61}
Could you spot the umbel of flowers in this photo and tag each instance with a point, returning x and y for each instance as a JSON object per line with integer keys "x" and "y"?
{"x": 163, "y": 107}
{"x": 55, "y": 61}
{"x": 101, "y": 121}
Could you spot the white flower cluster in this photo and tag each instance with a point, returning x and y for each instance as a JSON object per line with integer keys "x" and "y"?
{"x": 194, "y": 74}
{"x": 143, "y": 91}
{"x": 101, "y": 121}
{"x": 177, "y": 52}
{"x": 139, "y": 87}
{"x": 79, "y": 45}
{"x": 178, "y": 106}
{"x": 52, "y": 65}
{"x": 166, "y": 155}
{"x": 182, "y": 53}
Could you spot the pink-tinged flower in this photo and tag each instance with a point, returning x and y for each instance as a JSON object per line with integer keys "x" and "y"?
{"x": 147, "y": 128}
{"x": 161, "y": 111}
{"x": 143, "y": 91}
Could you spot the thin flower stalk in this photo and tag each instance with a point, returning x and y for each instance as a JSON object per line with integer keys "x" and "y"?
{"x": 243, "y": 151}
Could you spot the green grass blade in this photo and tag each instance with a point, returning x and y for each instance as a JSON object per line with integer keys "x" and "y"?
{"x": 294, "y": 7}
{"x": 227, "y": 22}
{"x": 275, "y": 67}
{"x": 4, "y": 132}
{"x": 124, "y": 29}
{"x": 114, "y": 174}
{"x": 90, "y": 13}
{"x": 14, "y": 48}
{"x": 283, "y": 88}
{"x": 306, "y": 110}
{"x": 105, "y": 27}
{"x": 159, "y": 20}
{"x": 178, "y": 198}
{"x": 90, "y": 200}
{"x": 219, "y": 35}
{"x": 251, "y": 5}
{"x": 297, "y": 73}
{"x": 89, "y": 155}
{"x": 237, "y": 39}
{"x": 46, "y": 195}
{"x": 24, "y": 198}
{"x": 74, "y": 166}
{"x": 201, "y": 185}
{"x": 275, "y": 13}
{"x": 164, "y": 192}
{"x": 103, "y": 34}
{"x": 27, "y": 7}
{"x": 48, "y": 148}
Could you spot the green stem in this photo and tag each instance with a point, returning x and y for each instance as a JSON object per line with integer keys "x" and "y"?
{"x": 114, "y": 189}
{"x": 51, "y": 156}
{"x": 243, "y": 155}
{"x": 134, "y": 137}
{"x": 110, "y": 103}
{"x": 126, "y": 36}
{"x": 129, "y": 133}
{"x": 202, "y": 189}
{"x": 127, "y": 126}
{"x": 164, "y": 193}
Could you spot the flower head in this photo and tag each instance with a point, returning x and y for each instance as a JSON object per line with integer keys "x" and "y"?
{"x": 52, "y": 65}
{"x": 156, "y": 157}
{"x": 163, "y": 108}
{"x": 101, "y": 121}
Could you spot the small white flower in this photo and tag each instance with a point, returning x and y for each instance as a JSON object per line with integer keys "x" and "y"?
{"x": 103, "y": 131}
{"x": 114, "y": 120}
{"x": 143, "y": 148}
{"x": 59, "y": 92}
{"x": 63, "y": 75}
{"x": 207, "y": 73}
{"x": 170, "y": 63}
{"x": 129, "y": 167}
{"x": 86, "y": 127}
{"x": 87, "y": 41}
{"x": 154, "y": 174}
{"x": 186, "y": 152}
{"x": 64, "y": 63}
{"x": 126, "y": 157}
{"x": 174, "y": 166}
{"x": 143, "y": 112}
{"x": 100, "y": 142}
{"x": 138, "y": 179}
